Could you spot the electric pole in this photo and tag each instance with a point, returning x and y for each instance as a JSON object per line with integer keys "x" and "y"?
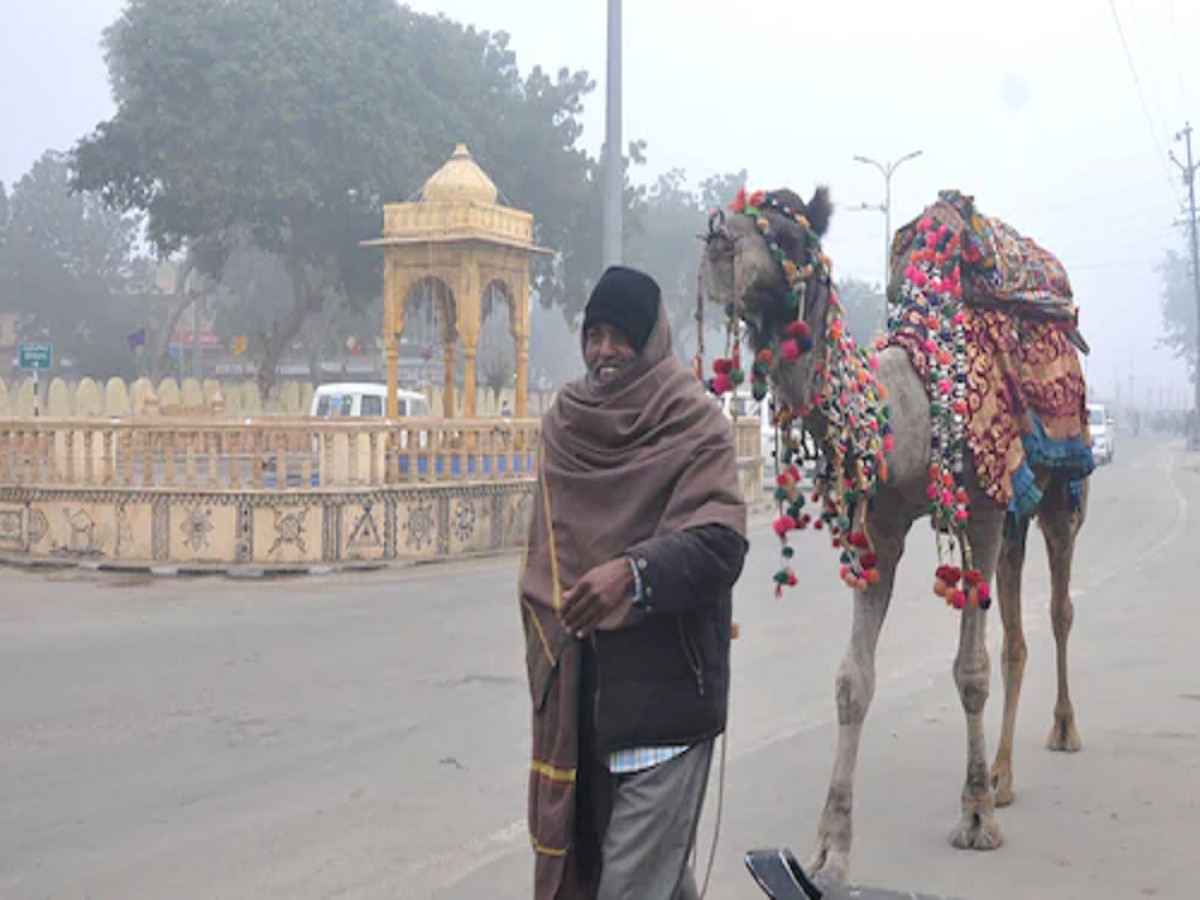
{"x": 1189, "y": 178}
{"x": 614, "y": 174}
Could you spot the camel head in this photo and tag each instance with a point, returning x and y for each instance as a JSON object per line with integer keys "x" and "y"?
{"x": 748, "y": 256}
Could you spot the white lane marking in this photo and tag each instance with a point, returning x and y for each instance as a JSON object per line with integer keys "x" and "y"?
{"x": 1181, "y": 512}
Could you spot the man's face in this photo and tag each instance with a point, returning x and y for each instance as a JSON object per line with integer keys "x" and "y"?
{"x": 606, "y": 351}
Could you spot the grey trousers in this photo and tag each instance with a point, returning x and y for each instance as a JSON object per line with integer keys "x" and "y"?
{"x": 650, "y": 828}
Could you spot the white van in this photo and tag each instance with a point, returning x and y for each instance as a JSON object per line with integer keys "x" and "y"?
{"x": 364, "y": 399}
{"x": 367, "y": 400}
{"x": 1100, "y": 424}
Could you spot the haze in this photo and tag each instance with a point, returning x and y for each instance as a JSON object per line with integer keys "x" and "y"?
{"x": 1032, "y": 107}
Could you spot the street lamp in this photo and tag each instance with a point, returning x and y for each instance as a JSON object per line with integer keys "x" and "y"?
{"x": 886, "y": 169}
{"x": 614, "y": 180}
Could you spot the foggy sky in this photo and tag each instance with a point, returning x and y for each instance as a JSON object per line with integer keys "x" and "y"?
{"x": 1030, "y": 106}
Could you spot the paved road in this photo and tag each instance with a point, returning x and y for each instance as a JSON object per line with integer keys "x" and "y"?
{"x": 365, "y": 737}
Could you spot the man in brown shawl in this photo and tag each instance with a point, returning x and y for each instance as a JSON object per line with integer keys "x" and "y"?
{"x": 636, "y": 540}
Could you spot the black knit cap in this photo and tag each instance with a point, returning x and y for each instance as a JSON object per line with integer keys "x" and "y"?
{"x": 627, "y": 299}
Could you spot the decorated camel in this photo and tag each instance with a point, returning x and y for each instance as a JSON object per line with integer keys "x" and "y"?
{"x": 971, "y": 412}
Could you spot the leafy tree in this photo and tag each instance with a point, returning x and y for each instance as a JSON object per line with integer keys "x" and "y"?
{"x": 1179, "y": 308}
{"x": 4, "y": 217}
{"x": 865, "y": 307}
{"x": 284, "y": 125}
{"x": 664, "y": 240}
{"x": 65, "y": 262}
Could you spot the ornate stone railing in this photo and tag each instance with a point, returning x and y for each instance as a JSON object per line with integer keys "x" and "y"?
{"x": 272, "y": 494}
{"x": 262, "y": 454}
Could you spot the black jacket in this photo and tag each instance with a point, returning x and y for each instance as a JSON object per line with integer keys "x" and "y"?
{"x": 665, "y": 681}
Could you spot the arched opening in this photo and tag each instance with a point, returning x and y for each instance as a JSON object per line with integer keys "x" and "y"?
{"x": 428, "y": 357}
{"x": 497, "y": 360}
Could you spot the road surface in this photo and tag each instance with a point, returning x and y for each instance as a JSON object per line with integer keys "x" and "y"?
{"x": 366, "y": 736}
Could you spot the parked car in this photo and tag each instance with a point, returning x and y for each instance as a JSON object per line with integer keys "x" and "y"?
{"x": 1100, "y": 424}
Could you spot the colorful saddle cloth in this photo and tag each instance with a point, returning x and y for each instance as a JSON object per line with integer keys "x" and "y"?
{"x": 987, "y": 316}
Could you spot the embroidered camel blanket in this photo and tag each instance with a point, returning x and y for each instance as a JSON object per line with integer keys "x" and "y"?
{"x": 975, "y": 303}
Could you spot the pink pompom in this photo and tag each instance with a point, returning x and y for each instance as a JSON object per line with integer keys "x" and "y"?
{"x": 889, "y": 443}
{"x": 790, "y": 351}
{"x": 874, "y": 363}
{"x": 945, "y": 387}
{"x": 931, "y": 492}
{"x": 783, "y": 525}
{"x": 722, "y": 384}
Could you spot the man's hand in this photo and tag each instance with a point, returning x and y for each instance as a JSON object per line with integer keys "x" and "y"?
{"x": 600, "y": 599}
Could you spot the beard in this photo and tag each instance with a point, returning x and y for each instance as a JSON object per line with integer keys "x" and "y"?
{"x": 607, "y": 372}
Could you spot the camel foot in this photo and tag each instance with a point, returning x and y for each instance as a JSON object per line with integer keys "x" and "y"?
{"x": 828, "y": 866}
{"x": 977, "y": 832}
{"x": 1064, "y": 738}
{"x": 1002, "y": 784}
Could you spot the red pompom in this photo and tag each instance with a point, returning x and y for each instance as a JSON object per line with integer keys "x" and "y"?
{"x": 799, "y": 330}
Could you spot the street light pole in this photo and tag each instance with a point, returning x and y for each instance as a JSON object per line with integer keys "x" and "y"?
{"x": 887, "y": 169}
{"x": 614, "y": 181}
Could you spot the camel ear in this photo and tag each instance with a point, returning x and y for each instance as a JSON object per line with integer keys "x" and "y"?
{"x": 819, "y": 211}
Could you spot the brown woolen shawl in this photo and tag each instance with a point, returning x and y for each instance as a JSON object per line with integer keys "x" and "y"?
{"x": 619, "y": 464}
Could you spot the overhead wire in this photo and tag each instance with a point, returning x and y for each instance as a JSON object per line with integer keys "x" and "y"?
{"x": 1137, "y": 83}
{"x": 1185, "y": 84}
{"x": 1148, "y": 60}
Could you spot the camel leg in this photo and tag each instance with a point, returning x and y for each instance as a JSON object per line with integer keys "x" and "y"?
{"x": 1060, "y": 524}
{"x": 1012, "y": 658}
{"x": 855, "y": 686}
{"x": 977, "y": 829}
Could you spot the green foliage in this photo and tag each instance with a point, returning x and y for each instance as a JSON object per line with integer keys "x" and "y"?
{"x": 66, "y": 261}
{"x": 1179, "y": 308}
{"x": 282, "y": 126}
{"x": 865, "y": 307}
{"x": 664, "y": 240}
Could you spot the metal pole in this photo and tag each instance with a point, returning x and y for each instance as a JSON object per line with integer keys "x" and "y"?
{"x": 196, "y": 368}
{"x": 614, "y": 175}
{"x": 887, "y": 170}
{"x": 887, "y": 232}
{"x": 1191, "y": 183}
